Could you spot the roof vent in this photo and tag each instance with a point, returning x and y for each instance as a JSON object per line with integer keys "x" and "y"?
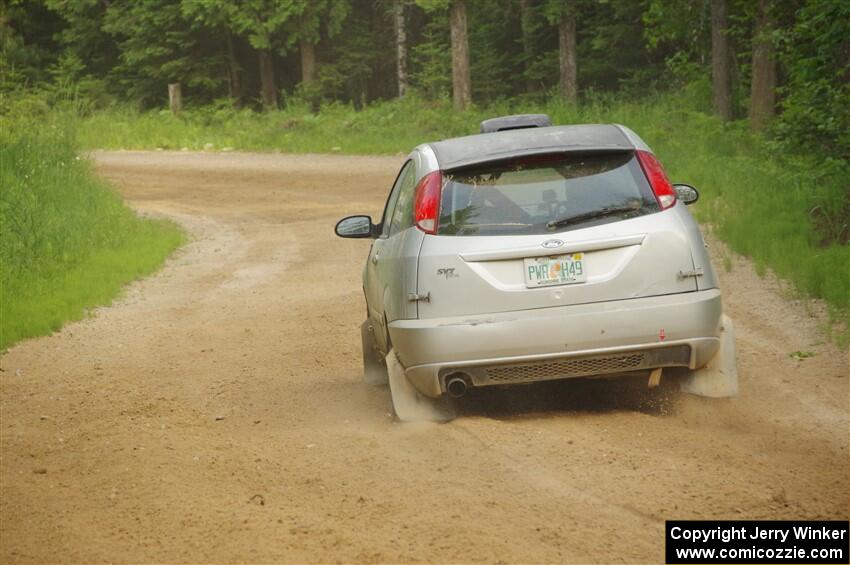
{"x": 518, "y": 121}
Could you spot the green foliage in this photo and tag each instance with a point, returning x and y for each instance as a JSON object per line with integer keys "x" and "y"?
{"x": 430, "y": 58}
{"x": 611, "y": 52}
{"x": 433, "y": 6}
{"x": 496, "y": 71}
{"x": 800, "y": 355}
{"x": 816, "y": 106}
{"x": 129, "y": 50}
{"x": 133, "y": 49}
{"x": 158, "y": 46}
{"x": 27, "y": 43}
{"x": 332, "y": 13}
{"x": 67, "y": 242}
{"x": 353, "y": 59}
{"x": 611, "y": 49}
{"x": 82, "y": 36}
{"x": 680, "y": 32}
{"x": 679, "y": 26}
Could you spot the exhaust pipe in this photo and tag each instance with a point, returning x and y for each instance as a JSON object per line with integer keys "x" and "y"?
{"x": 456, "y": 386}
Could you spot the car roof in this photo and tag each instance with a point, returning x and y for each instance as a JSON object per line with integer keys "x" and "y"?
{"x": 459, "y": 152}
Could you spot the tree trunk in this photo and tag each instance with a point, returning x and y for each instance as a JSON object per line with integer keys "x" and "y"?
{"x": 567, "y": 56}
{"x": 234, "y": 74}
{"x": 763, "y": 87}
{"x": 400, "y": 45}
{"x": 175, "y": 98}
{"x": 527, "y": 24}
{"x": 308, "y": 62}
{"x": 720, "y": 68}
{"x": 461, "y": 84}
{"x": 268, "y": 90}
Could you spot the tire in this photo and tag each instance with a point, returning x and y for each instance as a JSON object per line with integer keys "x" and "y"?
{"x": 409, "y": 405}
{"x": 374, "y": 372}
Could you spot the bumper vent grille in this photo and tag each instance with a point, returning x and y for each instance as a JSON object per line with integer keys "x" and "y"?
{"x": 566, "y": 368}
{"x": 579, "y": 366}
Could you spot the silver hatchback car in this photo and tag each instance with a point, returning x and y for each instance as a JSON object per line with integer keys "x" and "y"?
{"x": 529, "y": 253}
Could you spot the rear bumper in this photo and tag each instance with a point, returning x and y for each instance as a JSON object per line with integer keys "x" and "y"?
{"x": 562, "y": 342}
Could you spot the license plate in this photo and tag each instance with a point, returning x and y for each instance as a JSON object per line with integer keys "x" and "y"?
{"x": 561, "y": 269}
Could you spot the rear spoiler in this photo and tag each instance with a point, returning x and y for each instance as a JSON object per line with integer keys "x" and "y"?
{"x": 517, "y": 121}
{"x": 536, "y": 152}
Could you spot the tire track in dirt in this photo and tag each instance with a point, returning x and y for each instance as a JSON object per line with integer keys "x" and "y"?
{"x": 215, "y": 411}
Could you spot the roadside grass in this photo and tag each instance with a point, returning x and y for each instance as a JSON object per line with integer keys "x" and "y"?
{"x": 786, "y": 212}
{"x": 67, "y": 241}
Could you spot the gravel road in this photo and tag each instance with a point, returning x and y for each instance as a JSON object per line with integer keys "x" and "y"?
{"x": 215, "y": 412}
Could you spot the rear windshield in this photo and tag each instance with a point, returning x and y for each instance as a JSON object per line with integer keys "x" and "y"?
{"x": 544, "y": 195}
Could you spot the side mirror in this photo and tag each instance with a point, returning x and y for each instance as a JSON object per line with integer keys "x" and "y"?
{"x": 686, "y": 193}
{"x": 355, "y": 227}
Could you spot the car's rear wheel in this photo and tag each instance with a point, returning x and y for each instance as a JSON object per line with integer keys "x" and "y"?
{"x": 374, "y": 372}
{"x": 410, "y": 405}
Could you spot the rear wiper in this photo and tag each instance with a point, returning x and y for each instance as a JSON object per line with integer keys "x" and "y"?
{"x": 601, "y": 213}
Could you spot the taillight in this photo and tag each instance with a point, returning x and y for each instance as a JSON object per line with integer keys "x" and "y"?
{"x": 426, "y": 203}
{"x": 658, "y": 180}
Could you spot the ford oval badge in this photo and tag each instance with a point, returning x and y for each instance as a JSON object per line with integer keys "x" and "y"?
{"x": 552, "y": 243}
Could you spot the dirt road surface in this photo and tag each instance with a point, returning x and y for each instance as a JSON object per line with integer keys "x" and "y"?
{"x": 215, "y": 412}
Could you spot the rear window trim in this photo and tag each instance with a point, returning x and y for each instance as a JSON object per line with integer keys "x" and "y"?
{"x": 544, "y": 156}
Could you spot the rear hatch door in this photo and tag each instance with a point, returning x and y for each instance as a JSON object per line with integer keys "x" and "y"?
{"x": 550, "y": 231}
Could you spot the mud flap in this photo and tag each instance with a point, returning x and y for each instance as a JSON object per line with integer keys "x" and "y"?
{"x": 409, "y": 404}
{"x": 719, "y": 378}
{"x": 374, "y": 373}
